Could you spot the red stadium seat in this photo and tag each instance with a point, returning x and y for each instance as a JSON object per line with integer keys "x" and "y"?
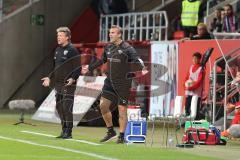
{"x": 178, "y": 35}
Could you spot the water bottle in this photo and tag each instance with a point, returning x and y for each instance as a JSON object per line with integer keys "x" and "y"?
{"x": 170, "y": 142}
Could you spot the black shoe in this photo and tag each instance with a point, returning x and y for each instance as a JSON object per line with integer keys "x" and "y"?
{"x": 60, "y": 136}
{"x": 120, "y": 140}
{"x": 67, "y": 136}
{"x": 109, "y": 136}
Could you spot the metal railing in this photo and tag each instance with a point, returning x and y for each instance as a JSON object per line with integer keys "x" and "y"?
{"x": 225, "y": 35}
{"x": 227, "y": 69}
{"x": 9, "y": 8}
{"x": 136, "y": 26}
{"x": 234, "y": 53}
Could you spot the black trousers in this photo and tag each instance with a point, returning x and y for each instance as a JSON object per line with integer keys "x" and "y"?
{"x": 64, "y": 106}
{"x": 188, "y": 107}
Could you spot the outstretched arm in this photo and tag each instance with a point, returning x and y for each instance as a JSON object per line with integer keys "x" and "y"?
{"x": 99, "y": 62}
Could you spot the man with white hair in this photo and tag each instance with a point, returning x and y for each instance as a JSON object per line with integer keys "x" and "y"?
{"x": 64, "y": 78}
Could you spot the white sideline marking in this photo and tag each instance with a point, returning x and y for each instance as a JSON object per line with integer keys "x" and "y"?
{"x": 49, "y": 135}
{"x": 27, "y": 156}
{"x": 59, "y": 148}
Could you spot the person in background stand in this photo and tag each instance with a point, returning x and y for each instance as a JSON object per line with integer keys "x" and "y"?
{"x": 109, "y": 6}
{"x": 190, "y": 16}
{"x": 217, "y": 23}
{"x": 194, "y": 84}
{"x": 64, "y": 78}
{"x": 202, "y": 33}
{"x": 235, "y": 120}
{"x": 230, "y": 21}
{"x": 223, "y": 14}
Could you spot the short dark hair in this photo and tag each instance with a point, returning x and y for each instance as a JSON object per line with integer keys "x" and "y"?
{"x": 229, "y": 5}
{"x": 118, "y": 28}
{"x": 220, "y": 9}
{"x": 197, "y": 55}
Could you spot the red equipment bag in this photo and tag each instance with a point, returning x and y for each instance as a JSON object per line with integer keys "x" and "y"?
{"x": 200, "y": 136}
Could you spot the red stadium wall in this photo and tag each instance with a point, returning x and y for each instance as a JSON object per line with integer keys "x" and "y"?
{"x": 187, "y": 48}
{"x": 86, "y": 28}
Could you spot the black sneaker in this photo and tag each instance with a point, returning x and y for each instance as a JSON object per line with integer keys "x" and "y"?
{"x": 109, "y": 136}
{"x": 60, "y": 136}
{"x": 120, "y": 140}
{"x": 67, "y": 135}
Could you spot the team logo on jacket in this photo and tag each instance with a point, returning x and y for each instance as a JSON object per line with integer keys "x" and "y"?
{"x": 65, "y": 52}
{"x": 120, "y": 51}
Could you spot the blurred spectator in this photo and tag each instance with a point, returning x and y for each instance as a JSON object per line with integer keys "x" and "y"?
{"x": 236, "y": 119}
{"x": 110, "y": 6}
{"x": 176, "y": 23}
{"x": 84, "y": 70}
{"x": 191, "y": 15}
{"x": 118, "y": 6}
{"x": 93, "y": 54}
{"x": 158, "y": 21}
{"x": 9, "y": 6}
{"x": 236, "y": 80}
{"x": 202, "y": 33}
{"x": 178, "y": 32}
{"x": 217, "y": 23}
{"x": 230, "y": 21}
{"x": 223, "y": 14}
{"x": 90, "y": 58}
{"x": 233, "y": 107}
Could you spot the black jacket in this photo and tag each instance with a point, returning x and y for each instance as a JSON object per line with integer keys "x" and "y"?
{"x": 205, "y": 36}
{"x": 119, "y": 60}
{"x": 66, "y": 64}
{"x": 122, "y": 61}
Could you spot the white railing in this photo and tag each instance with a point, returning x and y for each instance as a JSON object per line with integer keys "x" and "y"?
{"x": 226, "y": 35}
{"x": 136, "y": 26}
